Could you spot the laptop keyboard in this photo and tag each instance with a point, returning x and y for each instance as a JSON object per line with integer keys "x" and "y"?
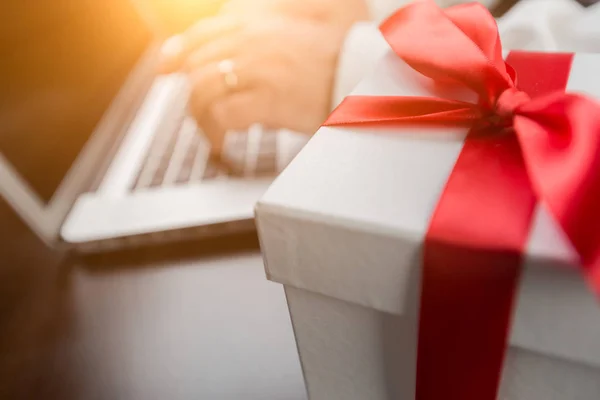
{"x": 182, "y": 155}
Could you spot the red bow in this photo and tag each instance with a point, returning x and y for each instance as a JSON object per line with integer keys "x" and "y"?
{"x": 478, "y": 232}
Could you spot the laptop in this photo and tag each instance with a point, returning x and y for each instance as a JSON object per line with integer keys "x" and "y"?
{"x": 98, "y": 152}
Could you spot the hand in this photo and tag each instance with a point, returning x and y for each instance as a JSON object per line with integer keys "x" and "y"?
{"x": 285, "y": 70}
{"x": 338, "y": 13}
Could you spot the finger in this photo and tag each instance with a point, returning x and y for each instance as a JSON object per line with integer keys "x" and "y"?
{"x": 209, "y": 85}
{"x": 171, "y": 57}
{"x": 210, "y": 29}
{"x": 213, "y": 132}
{"x": 176, "y": 49}
{"x": 224, "y": 48}
{"x": 241, "y": 110}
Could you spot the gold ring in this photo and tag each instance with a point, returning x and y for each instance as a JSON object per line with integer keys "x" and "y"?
{"x": 227, "y": 70}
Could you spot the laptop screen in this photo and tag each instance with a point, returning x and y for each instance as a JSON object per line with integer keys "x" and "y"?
{"x": 63, "y": 61}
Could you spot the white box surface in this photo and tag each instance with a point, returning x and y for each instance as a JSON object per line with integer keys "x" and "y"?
{"x": 342, "y": 228}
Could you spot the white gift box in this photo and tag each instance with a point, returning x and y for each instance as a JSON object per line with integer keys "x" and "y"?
{"x": 342, "y": 228}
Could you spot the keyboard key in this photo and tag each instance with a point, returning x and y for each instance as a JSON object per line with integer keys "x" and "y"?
{"x": 185, "y": 172}
{"x": 211, "y": 172}
{"x": 266, "y": 162}
{"x": 164, "y": 158}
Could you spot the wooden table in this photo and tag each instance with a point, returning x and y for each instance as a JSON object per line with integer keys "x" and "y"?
{"x": 198, "y": 321}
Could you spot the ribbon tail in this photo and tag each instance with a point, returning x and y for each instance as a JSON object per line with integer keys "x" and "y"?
{"x": 394, "y": 110}
{"x": 560, "y": 139}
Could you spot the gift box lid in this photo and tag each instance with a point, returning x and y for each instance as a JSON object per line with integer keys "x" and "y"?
{"x": 347, "y": 219}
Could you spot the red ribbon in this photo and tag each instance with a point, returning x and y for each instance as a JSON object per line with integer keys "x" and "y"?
{"x": 528, "y": 143}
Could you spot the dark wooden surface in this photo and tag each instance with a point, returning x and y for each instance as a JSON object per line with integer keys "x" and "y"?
{"x": 193, "y": 321}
